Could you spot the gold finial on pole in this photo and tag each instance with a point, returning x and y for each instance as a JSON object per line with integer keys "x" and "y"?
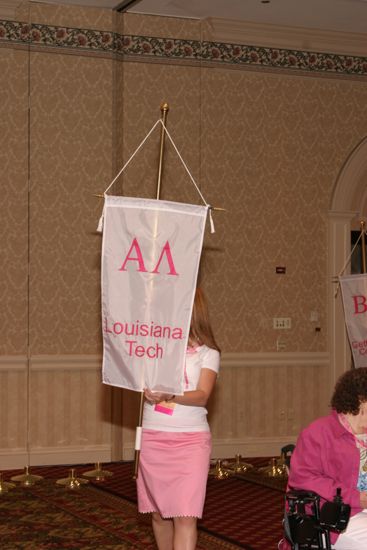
{"x": 164, "y": 113}
{"x": 363, "y": 244}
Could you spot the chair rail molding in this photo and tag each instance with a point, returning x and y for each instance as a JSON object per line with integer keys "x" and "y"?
{"x": 228, "y": 360}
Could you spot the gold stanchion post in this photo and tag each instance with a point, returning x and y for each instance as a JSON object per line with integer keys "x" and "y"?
{"x": 164, "y": 113}
{"x": 218, "y": 471}
{"x": 99, "y": 474}
{"x": 238, "y": 466}
{"x": 72, "y": 481}
{"x": 5, "y": 486}
{"x": 27, "y": 479}
{"x": 276, "y": 468}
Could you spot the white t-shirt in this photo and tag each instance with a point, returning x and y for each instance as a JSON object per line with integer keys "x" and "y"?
{"x": 184, "y": 418}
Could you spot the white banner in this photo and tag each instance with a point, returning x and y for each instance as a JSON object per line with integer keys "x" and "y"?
{"x": 354, "y": 292}
{"x": 150, "y": 259}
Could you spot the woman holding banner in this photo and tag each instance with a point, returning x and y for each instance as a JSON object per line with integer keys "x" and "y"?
{"x": 176, "y": 442}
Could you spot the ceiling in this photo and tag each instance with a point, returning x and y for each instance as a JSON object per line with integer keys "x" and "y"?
{"x": 335, "y": 15}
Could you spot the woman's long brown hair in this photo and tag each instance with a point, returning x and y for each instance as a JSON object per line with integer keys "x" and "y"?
{"x": 200, "y": 328}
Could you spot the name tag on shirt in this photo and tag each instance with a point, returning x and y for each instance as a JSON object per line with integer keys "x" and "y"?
{"x": 165, "y": 407}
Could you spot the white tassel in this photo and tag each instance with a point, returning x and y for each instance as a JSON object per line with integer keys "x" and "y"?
{"x": 138, "y": 435}
{"x": 100, "y": 223}
{"x": 212, "y": 228}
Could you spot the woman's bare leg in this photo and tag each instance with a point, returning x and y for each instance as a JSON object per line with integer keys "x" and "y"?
{"x": 185, "y": 533}
{"x": 163, "y": 531}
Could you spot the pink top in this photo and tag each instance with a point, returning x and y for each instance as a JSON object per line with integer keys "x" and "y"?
{"x": 326, "y": 457}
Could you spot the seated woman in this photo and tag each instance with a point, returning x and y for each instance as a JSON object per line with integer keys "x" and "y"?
{"x": 332, "y": 452}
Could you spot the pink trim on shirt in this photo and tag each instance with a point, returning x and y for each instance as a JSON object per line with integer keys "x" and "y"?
{"x": 190, "y": 350}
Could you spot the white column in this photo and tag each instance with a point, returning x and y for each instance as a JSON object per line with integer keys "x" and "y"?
{"x": 339, "y": 250}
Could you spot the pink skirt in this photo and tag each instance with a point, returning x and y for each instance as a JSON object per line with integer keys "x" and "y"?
{"x": 173, "y": 472}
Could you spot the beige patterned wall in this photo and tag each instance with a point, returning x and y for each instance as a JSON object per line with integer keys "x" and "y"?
{"x": 14, "y": 201}
{"x": 272, "y": 147}
{"x": 144, "y": 90}
{"x": 266, "y": 146}
{"x": 71, "y": 157}
{"x": 295, "y": 395}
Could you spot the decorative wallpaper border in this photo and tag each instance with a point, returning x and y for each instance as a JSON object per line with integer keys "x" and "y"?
{"x": 148, "y": 47}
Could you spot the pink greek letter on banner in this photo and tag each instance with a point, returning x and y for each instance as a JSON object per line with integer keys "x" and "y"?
{"x": 354, "y": 292}
{"x": 150, "y": 259}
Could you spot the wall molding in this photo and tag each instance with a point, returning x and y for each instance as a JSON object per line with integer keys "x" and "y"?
{"x": 13, "y": 459}
{"x": 275, "y": 359}
{"x": 65, "y": 362}
{"x": 229, "y": 360}
{"x": 285, "y": 37}
{"x": 228, "y": 448}
{"x": 8, "y": 8}
{"x": 251, "y": 446}
{"x": 222, "y": 448}
{"x": 350, "y": 185}
{"x": 43, "y": 456}
{"x": 13, "y": 363}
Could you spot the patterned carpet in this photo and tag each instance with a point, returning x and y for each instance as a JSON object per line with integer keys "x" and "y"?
{"x": 239, "y": 513}
{"x": 46, "y": 517}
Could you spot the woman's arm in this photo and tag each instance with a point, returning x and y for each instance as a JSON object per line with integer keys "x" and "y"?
{"x": 194, "y": 398}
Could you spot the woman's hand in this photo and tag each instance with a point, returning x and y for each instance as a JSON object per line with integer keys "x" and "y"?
{"x": 363, "y": 499}
{"x": 194, "y": 398}
{"x": 156, "y": 397}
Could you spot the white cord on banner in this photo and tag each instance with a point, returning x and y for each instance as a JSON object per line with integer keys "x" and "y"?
{"x": 100, "y": 223}
{"x": 350, "y": 255}
{"x": 133, "y": 155}
{"x": 212, "y": 229}
{"x": 183, "y": 162}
